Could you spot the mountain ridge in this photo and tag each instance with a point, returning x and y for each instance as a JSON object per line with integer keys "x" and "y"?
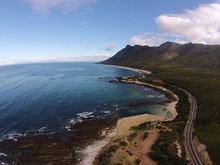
{"x": 169, "y": 53}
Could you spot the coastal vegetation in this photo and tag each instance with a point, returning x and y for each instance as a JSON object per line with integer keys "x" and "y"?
{"x": 200, "y": 83}
{"x": 193, "y": 67}
{"x": 116, "y": 153}
{"x": 164, "y": 149}
{"x": 122, "y": 149}
{"x": 204, "y": 85}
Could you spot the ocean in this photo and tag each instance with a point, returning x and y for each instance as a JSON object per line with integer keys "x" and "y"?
{"x": 48, "y": 97}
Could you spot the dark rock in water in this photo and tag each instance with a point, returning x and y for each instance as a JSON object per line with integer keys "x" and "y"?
{"x": 57, "y": 149}
{"x": 113, "y": 81}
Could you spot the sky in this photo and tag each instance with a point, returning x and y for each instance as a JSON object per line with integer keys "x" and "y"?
{"x": 93, "y": 30}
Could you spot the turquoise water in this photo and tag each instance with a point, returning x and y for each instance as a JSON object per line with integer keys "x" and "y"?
{"x": 49, "y": 96}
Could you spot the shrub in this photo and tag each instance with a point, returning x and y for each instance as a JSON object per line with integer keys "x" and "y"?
{"x": 123, "y": 143}
{"x": 113, "y": 148}
{"x": 145, "y": 135}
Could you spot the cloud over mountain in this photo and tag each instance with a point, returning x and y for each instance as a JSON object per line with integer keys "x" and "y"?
{"x": 200, "y": 25}
{"x": 143, "y": 40}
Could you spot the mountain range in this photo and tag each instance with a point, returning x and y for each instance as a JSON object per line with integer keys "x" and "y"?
{"x": 168, "y": 54}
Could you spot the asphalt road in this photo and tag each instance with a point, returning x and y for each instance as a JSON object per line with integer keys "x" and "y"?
{"x": 189, "y": 129}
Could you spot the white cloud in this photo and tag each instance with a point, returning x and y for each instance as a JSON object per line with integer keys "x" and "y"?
{"x": 200, "y": 25}
{"x": 143, "y": 40}
{"x": 63, "y": 5}
{"x": 111, "y": 47}
{"x": 178, "y": 40}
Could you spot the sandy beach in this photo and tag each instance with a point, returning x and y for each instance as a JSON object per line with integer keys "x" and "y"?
{"x": 133, "y": 69}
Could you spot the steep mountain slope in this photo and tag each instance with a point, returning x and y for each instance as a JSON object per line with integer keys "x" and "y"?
{"x": 169, "y": 53}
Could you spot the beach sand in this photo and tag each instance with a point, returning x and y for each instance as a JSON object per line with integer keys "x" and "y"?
{"x": 133, "y": 69}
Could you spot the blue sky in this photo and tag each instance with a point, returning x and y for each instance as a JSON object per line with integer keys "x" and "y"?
{"x": 77, "y": 30}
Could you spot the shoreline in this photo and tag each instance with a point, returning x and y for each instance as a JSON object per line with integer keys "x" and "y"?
{"x": 171, "y": 105}
{"x": 124, "y": 124}
{"x": 133, "y": 69}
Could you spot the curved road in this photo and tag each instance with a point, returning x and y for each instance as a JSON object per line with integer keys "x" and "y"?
{"x": 189, "y": 129}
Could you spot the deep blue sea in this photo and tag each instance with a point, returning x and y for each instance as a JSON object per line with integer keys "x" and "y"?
{"x": 50, "y": 96}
